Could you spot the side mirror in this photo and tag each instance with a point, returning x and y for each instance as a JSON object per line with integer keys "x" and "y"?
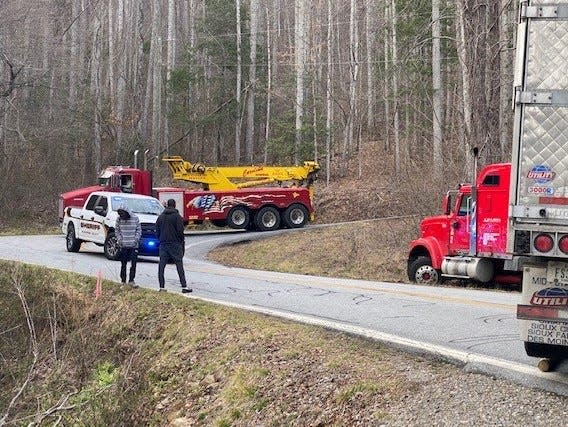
{"x": 99, "y": 210}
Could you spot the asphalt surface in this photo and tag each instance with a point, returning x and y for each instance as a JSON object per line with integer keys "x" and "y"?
{"x": 472, "y": 328}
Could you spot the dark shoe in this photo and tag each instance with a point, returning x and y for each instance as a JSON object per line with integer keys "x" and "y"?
{"x": 186, "y": 290}
{"x": 162, "y": 290}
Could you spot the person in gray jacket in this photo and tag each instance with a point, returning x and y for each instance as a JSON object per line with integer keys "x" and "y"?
{"x": 128, "y": 234}
{"x": 169, "y": 228}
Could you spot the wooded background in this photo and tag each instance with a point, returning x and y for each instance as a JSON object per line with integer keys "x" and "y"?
{"x": 83, "y": 83}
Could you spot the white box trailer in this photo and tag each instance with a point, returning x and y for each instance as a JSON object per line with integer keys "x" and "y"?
{"x": 538, "y": 210}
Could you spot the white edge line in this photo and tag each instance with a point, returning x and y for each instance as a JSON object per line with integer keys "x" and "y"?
{"x": 451, "y": 355}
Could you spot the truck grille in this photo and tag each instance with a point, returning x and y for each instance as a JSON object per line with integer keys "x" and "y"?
{"x": 148, "y": 229}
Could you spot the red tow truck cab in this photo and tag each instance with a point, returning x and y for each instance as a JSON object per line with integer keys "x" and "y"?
{"x": 120, "y": 179}
{"x": 469, "y": 239}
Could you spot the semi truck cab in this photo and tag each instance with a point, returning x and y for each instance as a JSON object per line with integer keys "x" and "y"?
{"x": 469, "y": 239}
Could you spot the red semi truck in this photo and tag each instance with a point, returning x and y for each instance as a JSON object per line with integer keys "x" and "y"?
{"x": 469, "y": 239}
{"x": 241, "y": 197}
{"x": 513, "y": 224}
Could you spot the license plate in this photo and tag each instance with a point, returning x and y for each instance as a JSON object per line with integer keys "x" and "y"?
{"x": 557, "y": 273}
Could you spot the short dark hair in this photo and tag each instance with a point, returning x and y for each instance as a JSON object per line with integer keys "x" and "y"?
{"x": 171, "y": 203}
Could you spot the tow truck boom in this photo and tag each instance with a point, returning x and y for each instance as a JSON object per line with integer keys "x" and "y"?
{"x": 236, "y": 177}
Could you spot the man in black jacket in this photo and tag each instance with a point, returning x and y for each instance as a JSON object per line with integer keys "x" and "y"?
{"x": 169, "y": 228}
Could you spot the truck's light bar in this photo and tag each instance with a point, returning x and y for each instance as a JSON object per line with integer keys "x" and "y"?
{"x": 533, "y": 312}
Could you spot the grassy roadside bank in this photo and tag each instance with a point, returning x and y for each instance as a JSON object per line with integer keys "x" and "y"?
{"x": 144, "y": 358}
{"x": 371, "y": 250}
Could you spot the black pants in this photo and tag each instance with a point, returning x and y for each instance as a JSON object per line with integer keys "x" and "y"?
{"x": 171, "y": 252}
{"x": 126, "y": 255}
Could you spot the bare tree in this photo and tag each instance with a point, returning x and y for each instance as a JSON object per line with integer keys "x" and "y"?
{"x": 466, "y": 83}
{"x": 96, "y": 88}
{"x": 437, "y": 94}
{"x": 394, "y": 56}
{"x": 170, "y": 63}
{"x": 328, "y": 96}
{"x": 300, "y": 55}
{"x": 353, "y": 80}
{"x": 238, "y": 122}
{"x": 249, "y": 140}
{"x": 268, "y": 84}
{"x": 369, "y": 47}
{"x": 155, "y": 69}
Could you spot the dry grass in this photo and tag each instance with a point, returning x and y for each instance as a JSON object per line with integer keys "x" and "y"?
{"x": 139, "y": 358}
{"x": 372, "y": 250}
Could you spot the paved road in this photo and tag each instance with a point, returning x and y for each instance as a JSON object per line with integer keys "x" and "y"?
{"x": 473, "y": 328}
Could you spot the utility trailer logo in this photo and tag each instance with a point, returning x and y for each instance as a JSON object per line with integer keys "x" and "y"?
{"x": 541, "y": 174}
{"x": 551, "y": 297}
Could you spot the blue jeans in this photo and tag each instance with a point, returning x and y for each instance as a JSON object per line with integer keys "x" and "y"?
{"x": 171, "y": 252}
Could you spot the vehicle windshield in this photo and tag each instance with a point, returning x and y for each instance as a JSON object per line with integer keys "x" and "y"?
{"x": 138, "y": 205}
{"x": 104, "y": 178}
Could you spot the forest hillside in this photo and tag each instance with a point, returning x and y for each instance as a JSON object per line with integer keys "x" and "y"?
{"x": 408, "y": 86}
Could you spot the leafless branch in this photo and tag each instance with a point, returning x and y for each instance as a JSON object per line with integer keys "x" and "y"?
{"x": 17, "y": 283}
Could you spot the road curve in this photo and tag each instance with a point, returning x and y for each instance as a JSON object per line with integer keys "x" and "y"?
{"x": 473, "y": 328}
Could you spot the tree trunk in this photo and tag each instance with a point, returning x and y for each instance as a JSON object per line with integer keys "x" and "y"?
{"x": 505, "y": 72}
{"x": 249, "y": 140}
{"x": 268, "y": 84}
{"x": 466, "y": 86}
{"x": 394, "y": 56}
{"x": 386, "y": 85}
{"x": 353, "y": 74}
{"x": 328, "y": 110}
{"x": 369, "y": 13}
{"x": 156, "y": 62}
{"x": 238, "y": 88}
{"x": 300, "y": 48}
{"x": 96, "y": 84}
{"x": 170, "y": 63}
{"x": 122, "y": 72}
{"x": 437, "y": 94}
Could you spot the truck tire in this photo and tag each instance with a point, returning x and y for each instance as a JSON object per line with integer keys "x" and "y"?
{"x": 267, "y": 219}
{"x": 421, "y": 271}
{"x": 239, "y": 218}
{"x": 73, "y": 244}
{"x": 553, "y": 352}
{"x": 111, "y": 248}
{"x": 295, "y": 216}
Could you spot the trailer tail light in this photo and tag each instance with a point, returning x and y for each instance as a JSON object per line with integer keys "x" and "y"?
{"x": 563, "y": 244}
{"x": 531, "y": 312}
{"x": 543, "y": 243}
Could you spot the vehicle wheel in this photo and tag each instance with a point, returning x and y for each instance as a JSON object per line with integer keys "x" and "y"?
{"x": 267, "y": 219}
{"x": 111, "y": 248}
{"x": 73, "y": 244}
{"x": 421, "y": 271}
{"x": 295, "y": 216}
{"x": 239, "y": 217}
{"x": 553, "y": 352}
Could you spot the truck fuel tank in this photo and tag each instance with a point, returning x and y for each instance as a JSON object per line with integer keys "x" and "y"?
{"x": 480, "y": 269}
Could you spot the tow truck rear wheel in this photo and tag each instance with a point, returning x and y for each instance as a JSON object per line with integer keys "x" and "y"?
{"x": 73, "y": 244}
{"x": 267, "y": 219}
{"x": 295, "y": 216}
{"x": 111, "y": 248}
{"x": 421, "y": 271}
{"x": 239, "y": 218}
